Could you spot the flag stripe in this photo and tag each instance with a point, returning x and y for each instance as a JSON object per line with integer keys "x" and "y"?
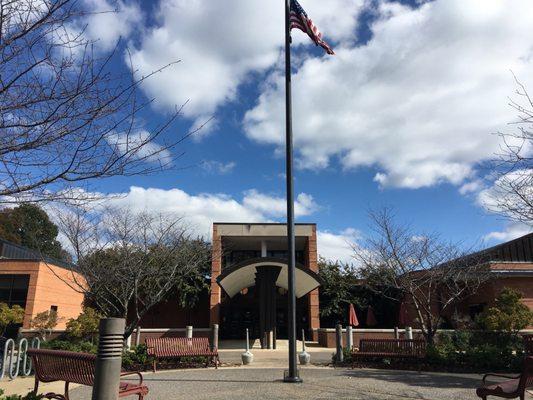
{"x": 300, "y": 20}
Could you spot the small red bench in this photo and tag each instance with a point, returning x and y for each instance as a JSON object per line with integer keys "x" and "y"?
{"x": 512, "y": 388}
{"x": 71, "y": 367}
{"x": 177, "y": 348}
{"x": 391, "y": 348}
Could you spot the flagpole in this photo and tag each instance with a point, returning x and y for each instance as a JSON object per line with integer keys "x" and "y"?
{"x": 292, "y": 374}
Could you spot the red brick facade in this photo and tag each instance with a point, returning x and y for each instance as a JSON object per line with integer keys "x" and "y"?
{"x": 514, "y": 275}
{"x": 311, "y": 262}
{"x": 216, "y": 270}
{"x": 49, "y": 285}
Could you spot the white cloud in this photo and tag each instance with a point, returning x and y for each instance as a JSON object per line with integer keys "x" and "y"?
{"x": 337, "y": 246}
{"x": 108, "y": 21}
{"x": 419, "y": 101}
{"x": 471, "y": 187}
{"x": 221, "y": 43}
{"x": 141, "y": 146}
{"x": 506, "y": 194}
{"x": 217, "y": 167}
{"x": 511, "y": 231}
{"x": 495, "y": 197}
{"x": 201, "y": 210}
{"x": 277, "y": 206}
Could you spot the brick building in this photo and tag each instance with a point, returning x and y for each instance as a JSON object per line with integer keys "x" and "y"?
{"x": 510, "y": 265}
{"x": 249, "y": 280}
{"x": 248, "y": 285}
{"x": 37, "y": 284}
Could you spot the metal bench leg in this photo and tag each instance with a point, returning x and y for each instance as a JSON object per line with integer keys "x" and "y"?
{"x": 66, "y": 391}
{"x": 36, "y": 386}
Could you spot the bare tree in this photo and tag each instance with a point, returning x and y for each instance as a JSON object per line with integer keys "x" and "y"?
{"x": 66, "y": 117}
{"x": 130, "y": 262}
{"x": 513, "y": 191}
{"x": 432, "y": 275}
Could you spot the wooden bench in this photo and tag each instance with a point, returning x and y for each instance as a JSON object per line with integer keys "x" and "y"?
{"x": 391, "y": 348}
{"x": 177, "y": 348}
{"x": 513, "y": 387}
{"x": 71, "y": 367}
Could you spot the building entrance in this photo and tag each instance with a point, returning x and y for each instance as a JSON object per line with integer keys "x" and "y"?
{"x": 255, "y": 297}
{"x": 244, "y": 311}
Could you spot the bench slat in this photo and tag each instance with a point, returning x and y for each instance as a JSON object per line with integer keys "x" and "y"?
{"x": 165, "y": 348}
{"x": 391, "y": 348}
{"x": 72, "y": 367}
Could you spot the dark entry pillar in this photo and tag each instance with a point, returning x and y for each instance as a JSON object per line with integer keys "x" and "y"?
{"x": 265, "y": 283}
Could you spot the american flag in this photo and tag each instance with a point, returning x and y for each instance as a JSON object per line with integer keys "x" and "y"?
{"x": 300, "y": 20}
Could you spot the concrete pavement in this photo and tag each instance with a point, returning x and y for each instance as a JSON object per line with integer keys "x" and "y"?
{"x": 319, "y": 383}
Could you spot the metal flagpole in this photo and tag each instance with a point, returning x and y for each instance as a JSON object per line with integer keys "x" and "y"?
{"x": 292, "y": 374}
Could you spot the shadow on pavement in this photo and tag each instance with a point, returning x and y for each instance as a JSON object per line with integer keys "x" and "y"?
{"x": 149, "y": 380}
{"x": 418, "y": 379}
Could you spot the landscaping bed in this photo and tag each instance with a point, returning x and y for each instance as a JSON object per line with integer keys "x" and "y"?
{"x": 459, "y": 351}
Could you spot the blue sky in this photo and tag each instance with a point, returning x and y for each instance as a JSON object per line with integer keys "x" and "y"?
{"x": 403, "y": 116}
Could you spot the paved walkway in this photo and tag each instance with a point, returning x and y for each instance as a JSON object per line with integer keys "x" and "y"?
{"x": 230, "y": 353}
{"x": 319, "y": 383}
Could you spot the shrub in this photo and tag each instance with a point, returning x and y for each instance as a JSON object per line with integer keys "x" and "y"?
{"x": 477, "y": 350}
{"x": 29, "y": 396}
{"x": 85, "y": 326}
{"x": 44, "y": 323}
{"x": 80, "y": 346}
{"x": 9, "y": 316}
{"x": 136, "y": 357}
{"x": 509, "y": 314}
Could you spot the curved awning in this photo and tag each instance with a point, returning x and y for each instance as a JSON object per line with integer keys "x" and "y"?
{"x": 242, "y": 275}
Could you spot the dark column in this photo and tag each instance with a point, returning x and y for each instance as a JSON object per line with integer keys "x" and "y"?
{"x": 109, "y": 359}
{"x": 265, "y": 283}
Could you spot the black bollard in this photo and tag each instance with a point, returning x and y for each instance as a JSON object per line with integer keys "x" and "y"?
{"x": 338, "y": 340}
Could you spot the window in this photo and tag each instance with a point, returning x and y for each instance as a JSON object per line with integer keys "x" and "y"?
{"x": 53, "y": 309}
{"x": 14, "y": 289}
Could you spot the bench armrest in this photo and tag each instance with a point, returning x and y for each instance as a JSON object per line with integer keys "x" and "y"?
{"x": 133, "y": 373}
{"x": 500, "y": 376}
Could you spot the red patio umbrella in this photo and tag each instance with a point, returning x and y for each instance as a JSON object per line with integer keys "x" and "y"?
{"x": 352, "y": 318}
{"x": 402, "y": 314}
{"x": 370, "y": 317}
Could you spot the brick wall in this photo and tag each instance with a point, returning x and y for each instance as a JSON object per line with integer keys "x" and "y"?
{"x": 487, "y": 293}
{"x": 49, "y": 286}
{"x": 314, "y": 306}
{"x": 216, "y": 270}
{"x": 161, "y": 333}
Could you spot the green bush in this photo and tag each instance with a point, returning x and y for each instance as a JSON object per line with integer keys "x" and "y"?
{"x": 79, "y": 346}
{"x": 477, "y": 350}
{"x": 9, "y": 316}
{"x": 85, "y": 326}
{"x": 29, "y": 396}
{"x": 510, "y": 314}
{"x": 137, "y": 357}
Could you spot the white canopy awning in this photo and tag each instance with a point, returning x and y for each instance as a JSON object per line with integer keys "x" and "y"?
{"x": 242, "y": 276}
